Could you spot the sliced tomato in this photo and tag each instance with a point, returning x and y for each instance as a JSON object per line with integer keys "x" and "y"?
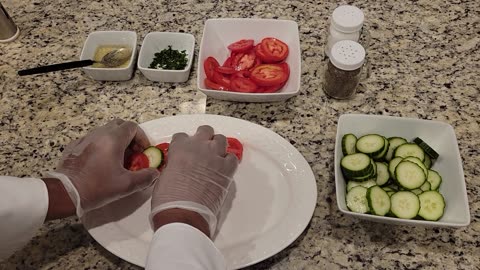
{"x": 210, "y": 66}
{"x": 271, "y": 89}
{"x": 241, "y": 74}
{"x": 243, "y": 85}
{"x": 241, "y": 45}
{"x": 285, "y": 67}
{"x": 228, "y": 62}
{"x": 164, "y": 148}
{"x": 257, "y": 63}
{"x": 269, "y": 75}
{"x": 221, "y": 79}
{"x": 235, "y": 147}
{"x": 137, "y": 161}
{"x": 261, "y": 55}
{"x": 226, "y": 70}
{"x": 274, "y": 49}
{"x": 211, "y": 85}
{"x": 243, "y": 61}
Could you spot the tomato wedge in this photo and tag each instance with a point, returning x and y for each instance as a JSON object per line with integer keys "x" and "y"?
{"x": 261, "y": 55}
{"x": 243, "y": 85}
{"x": 226, "y": 70}
{"x": 137, "y": 161}
{"x": 210, "y": 66}
{"x": 241, "y": 45}
{"x": 235, "y": 147}
{"x": 269, "y": 75}
{"x": 274, "y": 49}
{"x": 164, "y": 148}
{"x": 242, "y": 61}
{"x": 211, "y": 85}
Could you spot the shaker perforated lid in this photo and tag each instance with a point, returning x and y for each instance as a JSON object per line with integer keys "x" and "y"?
{"x": 347, "y": 19}
{"x": 347, "y": 55}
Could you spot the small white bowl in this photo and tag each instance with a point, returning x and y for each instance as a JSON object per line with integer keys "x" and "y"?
{"x": 157, "y": 41}
{"x": 440, "y": 136}
{"x": 116, "y": 38}
{"x": 219, "y": 33}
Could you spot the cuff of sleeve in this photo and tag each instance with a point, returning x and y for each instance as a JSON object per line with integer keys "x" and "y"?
{"x": 181, "y": 246}
{"x": 71, "y": 190}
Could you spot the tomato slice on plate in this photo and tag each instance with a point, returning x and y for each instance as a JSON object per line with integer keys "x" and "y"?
{"x": 235, "y": 147}
{"x": 243, "y": 61}
{"x": 221, "y": 79}
{"x": 228, "y": 62}
{"x": 241, "y": 45}
{"x": 164, "y": 148}
{"x": 274, "y": 49}
{"x": 137, "y": 161}
{"x": 210, "y": 66}
{"x": 262, "y": 55}
{"x": 226, "y": 70}
{"x": 243, "y": 85}
{"x": 211, "y": 85}
{"x": 271, "y": 89}
{"x": 241, "y": 73}
{"x": 269, "y": 75}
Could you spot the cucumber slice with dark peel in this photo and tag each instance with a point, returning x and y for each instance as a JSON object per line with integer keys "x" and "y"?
{"x": 410, "y": 150}
{"x": 428, "y": 162}
{"x": 378, "y": 201}
{"x": 428, "y": 150}
{"x": 417, "y": 191}
{"x": 371, "y": 144}
{"x": 357, "y": 200}
{"x": 356, "y": 165}
{"x": 394, "y": 142}
{"x": 434, "y": 179}
{"x": 384, "y": 151}
{"x": 426, "y": 186}
{"x": 432, "y": 205}
{"x": 382, "y": 173}
{"x": 418, "y": 162}
{"x": 392, "y": 165}
{"x": 405, "y": 204}
{"x": 348, "y": 144}
{"x": 154, "y": 155}
{"x": 366, "y": 184}
{"x": 409, "y": 175}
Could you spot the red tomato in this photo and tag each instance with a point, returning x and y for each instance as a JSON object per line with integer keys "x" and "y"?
{"x": 241, "y": 73}
{"x": 243, "y": 85}
{"x": 164, "y": 148}
{"x": 257, "y": 63}
{"x": 261, "y": 55}
{"x": 211, "y": 85}
{"x": 226, "y": 70}
{"x": 235, "y": 147}
{"x": 228, "y": 62}
{"x": 286, "y": 68}
{"x": 241, "y": 45}
{"x": 209, "y": 66}
{"x": 221, "y": 79}
{"x": 274, "y": 49}
{"x": 242, "y": 61}
{"x": 271, "y": 89}
{"x": 137, "y": 161}
{"x": 269, "y": 75}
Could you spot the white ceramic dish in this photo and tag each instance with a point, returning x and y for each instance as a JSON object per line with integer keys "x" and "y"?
{"x": 275, "y": 190}
{"x": 99, "y": 38}
{"x": 219, "y": 33}
{"x": 439, "y": 135}
{"x": 157, "y": 41}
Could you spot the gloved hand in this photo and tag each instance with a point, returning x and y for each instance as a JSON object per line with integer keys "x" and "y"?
{"x": 197, "y": 176}
{"x": 92, "y": 168}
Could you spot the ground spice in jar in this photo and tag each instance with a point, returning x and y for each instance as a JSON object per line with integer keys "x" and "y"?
{"x": 343, "y": 71}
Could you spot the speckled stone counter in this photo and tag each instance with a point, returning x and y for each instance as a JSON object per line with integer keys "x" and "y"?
{"x": 425, "y": 64}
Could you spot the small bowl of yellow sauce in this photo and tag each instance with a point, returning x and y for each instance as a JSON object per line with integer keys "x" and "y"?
{"x": 100, "y": 43}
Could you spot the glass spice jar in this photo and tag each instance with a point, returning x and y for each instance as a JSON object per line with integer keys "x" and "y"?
{"x": 344, "y": 69}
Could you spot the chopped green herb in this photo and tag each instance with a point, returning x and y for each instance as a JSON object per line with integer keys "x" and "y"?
{"x": 170, "y": 59}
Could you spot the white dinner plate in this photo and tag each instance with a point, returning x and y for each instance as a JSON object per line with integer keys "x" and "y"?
{"x": 271, "y": 203}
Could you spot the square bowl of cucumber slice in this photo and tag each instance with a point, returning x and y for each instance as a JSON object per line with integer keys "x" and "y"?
{"x": 400, "y": 171}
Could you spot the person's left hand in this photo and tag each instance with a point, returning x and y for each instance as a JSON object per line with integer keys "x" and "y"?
{"x": 92, "y": 168}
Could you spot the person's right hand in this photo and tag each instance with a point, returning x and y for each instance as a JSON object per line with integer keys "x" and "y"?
{"x": 197, "y": 176}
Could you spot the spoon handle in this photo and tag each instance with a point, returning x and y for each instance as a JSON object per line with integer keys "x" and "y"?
{"x": 56, "y": 67}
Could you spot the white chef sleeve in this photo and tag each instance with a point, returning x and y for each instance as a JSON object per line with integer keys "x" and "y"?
{"x": 179, "y": 246}
{"x": 23, "y": 208}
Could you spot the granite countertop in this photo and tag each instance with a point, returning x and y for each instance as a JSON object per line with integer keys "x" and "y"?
{"x": 425, "y": 64}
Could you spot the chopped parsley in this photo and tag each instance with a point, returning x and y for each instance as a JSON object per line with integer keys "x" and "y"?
{"x": 170, "y": 59}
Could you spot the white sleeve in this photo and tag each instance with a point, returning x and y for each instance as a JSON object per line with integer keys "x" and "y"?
{"x": 182, "y": 247}
{"x": 23, "y": 208}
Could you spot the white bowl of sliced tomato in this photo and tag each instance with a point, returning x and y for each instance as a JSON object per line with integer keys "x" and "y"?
{"x": 249, "y": 60}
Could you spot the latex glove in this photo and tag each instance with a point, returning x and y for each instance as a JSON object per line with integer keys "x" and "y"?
{"x": 197, "y": 176}
{"x": 92, "y": 168}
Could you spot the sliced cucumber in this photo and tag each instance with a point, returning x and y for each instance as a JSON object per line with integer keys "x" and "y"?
{"x": 356, "y": 165}
{"x": 382, "y": 173}
{"x": 410, "y": 150}
{"x": 384, "y": 151}
{"x": 428, "y": 162}
{"x": 432, "y": 205}
{"x": 417, "y": 191}
{"x": 387, "y": 189}
{"x": 426, "y": 186}
{"x": 154, "y": 155}
{"x": 392, "y": 165}
{"x": 357, "y": 200}
{"x": 394, "y": 142}
{"x": 371, "y": 144}
{"x": 405, "y": 204}
{"x": 434, "y": 179}
{"x": 428, "y": 150}
{"x": 418, "y": 162}
{"x": 348, "y": 144}
{"x": 378, "y": 201}
{"x": 393, "y": 186}
{"x": 409, "y": 175}
{"x": 390, "y": 193}
{"x": 366, "y": 184}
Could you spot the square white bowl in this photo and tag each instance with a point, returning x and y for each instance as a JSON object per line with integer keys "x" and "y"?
{"x": 440, "y": 136}
{"x": 157, "y": 41}
{"x": 219, "y": 33}
{"x": 116, "y": 38}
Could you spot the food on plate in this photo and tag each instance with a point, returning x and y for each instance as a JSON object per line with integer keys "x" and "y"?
{"x": 250, "y": 68}
{"x": 157, "y": 156}
{"x": 391, "y": 177}
{"x": 101, "y": 51}
{"x": 170, "y": 59}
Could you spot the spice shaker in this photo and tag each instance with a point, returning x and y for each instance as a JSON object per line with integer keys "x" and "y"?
{"x": 346, "y": 23}
{"x": 8, "y": 30}
{"x": 344, "y": 69}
